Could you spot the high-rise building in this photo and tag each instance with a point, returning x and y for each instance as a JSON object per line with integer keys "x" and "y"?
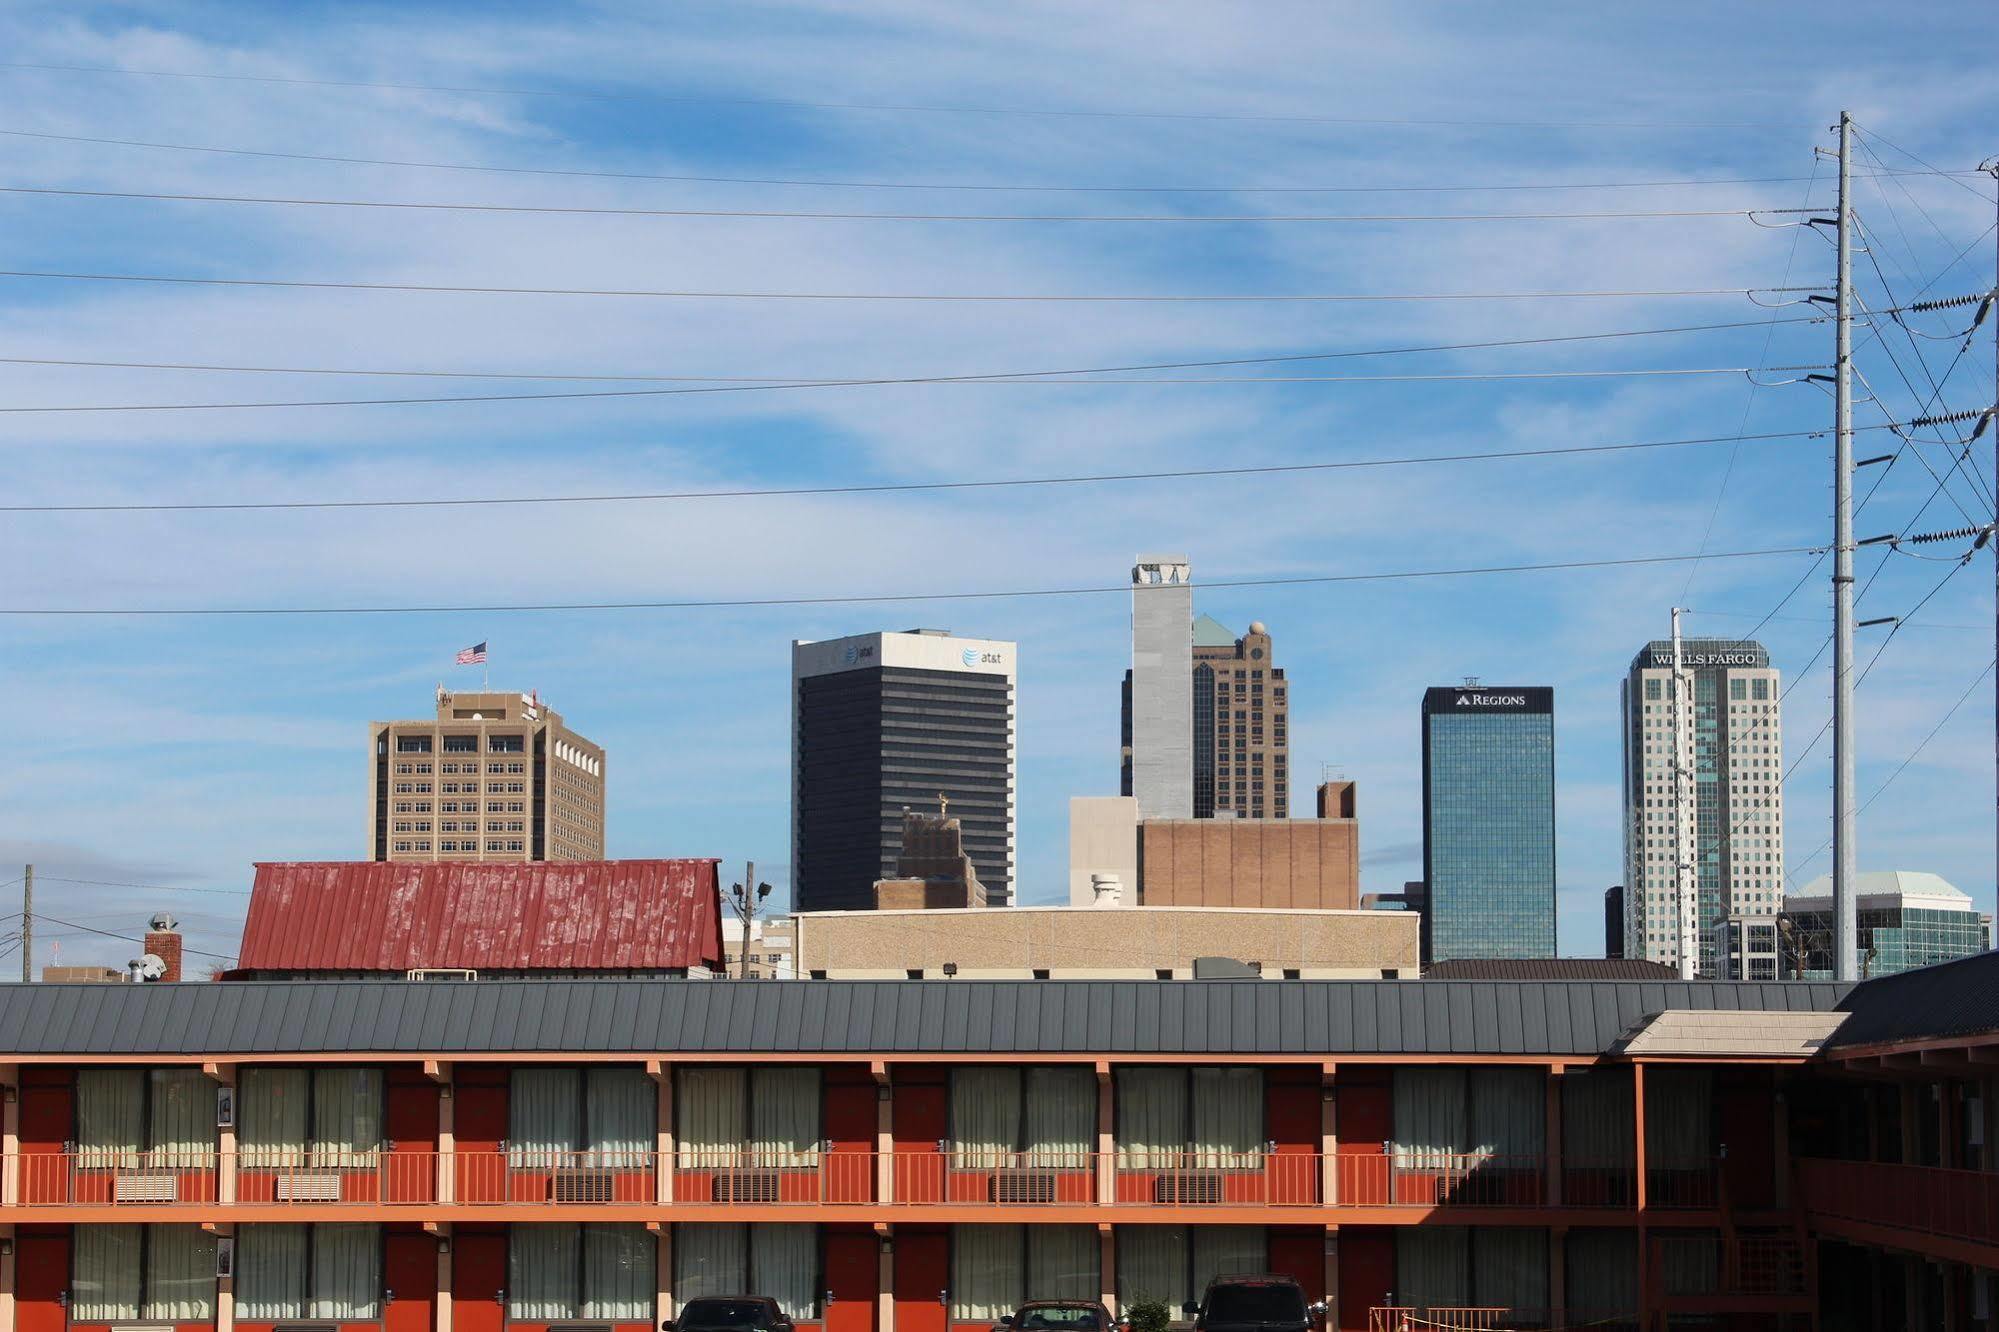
{"x": 1488, "y": 822}
{"x": 1905, "y": 919}
{"x": 1703, "y": 799}
{"x": 1159, "y": 689}
{"x": 1613, "y": 920}
{"x": 494, "y": 776}
{"x": 884, "y": 723}
{"x": 1242, "y": 722}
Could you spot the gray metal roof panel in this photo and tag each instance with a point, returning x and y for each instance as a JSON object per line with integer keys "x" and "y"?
{"x": 1309, "y": 1018}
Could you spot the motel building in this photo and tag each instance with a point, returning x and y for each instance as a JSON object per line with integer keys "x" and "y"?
{"x": 920, "y": 1156}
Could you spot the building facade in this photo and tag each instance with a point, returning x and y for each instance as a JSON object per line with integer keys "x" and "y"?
{"x": 1488, "y": 822}
{"x": 1703, "y": 797}
{"x": 492, "y": 777}
{"x": 1158, "y": 709}
{"x": 1613, "y": 920}
{"x": 888, "y": 722}
{"x": 767, "y": 956}
{"x": 1242, "y": 724}
{"x": 921, "y": 1156}
{"x": 1906, "y": 920}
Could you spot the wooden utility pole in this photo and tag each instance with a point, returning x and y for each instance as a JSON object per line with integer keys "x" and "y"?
{"x": 28, "y": 923}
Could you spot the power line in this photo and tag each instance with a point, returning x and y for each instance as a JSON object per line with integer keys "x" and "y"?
{"x": 87, "y": 929}
{"x": 587, "y": 94}
{"x": 148, "y": 887}
{"x": 984, "y": 187}
{"x": 792, "y": 215}
{"x": 885, "y": 599}
{"x": 980, "y": 381}
{"x": 1272, "y": 469}
{"x": 1925, "y": 165}
{"x": 1220, "y": 363}
{"x": 1005, "y": 297}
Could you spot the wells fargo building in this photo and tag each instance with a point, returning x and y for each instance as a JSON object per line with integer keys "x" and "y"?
{"x": 918, "y": 1156}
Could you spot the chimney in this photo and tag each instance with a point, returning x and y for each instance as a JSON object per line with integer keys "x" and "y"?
{"x": 163, "y": 942}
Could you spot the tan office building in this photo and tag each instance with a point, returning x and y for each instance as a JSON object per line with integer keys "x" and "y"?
{"x": 493, "y": 777}
{"x": 1242, "y": 720}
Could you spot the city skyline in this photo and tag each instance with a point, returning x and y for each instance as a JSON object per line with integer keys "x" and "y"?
{"x": 175, "y": 750}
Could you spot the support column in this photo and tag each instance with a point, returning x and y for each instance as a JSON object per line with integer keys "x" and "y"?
{"x": 1552, "y": 1133}
{"x": 225, "y": 1139}
{"x": 884, "y": 1140}
{"x": 1911, "y": 1140}
{"x": 1329, "y": 1135}
{"x": 225, "y": 1286}
{"x": 1638, "y": 1121}
{"x": 447, "y": 1142}
{"x": 1988, "y": 1105}
{"x": 662, "y": 1271}
{"x": 10, "y": 1138}
{"x": 885, "y": 1280}
{"x": 663, "y": 1146}
{"x": 1107, "y": 1265}
{"x": 7, "y": 1242}
{"x": 1780, "y": 1138}
{"x": 1558, "y": 1276}
{"x": 1106, "y": 1137}
{"x": 441, "y": 1306}
{"x": 1331, "y": 1274}
{"x": 1947, "y": 1152}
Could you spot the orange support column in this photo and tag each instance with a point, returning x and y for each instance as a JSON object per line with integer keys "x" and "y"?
{"x": 225, "y": 1137}
{"x": 447, "y": 1144}
{"x": 663, "y": 1145}
{"x": 7, "y": 1272}
{"x": 1551, "y": 1147}
{"x": 1638, "y": 1124}
{"x": 885, "y": 1282}
{"x": 662, "y": 1271}
{"x": 10, "y": 1142}
{"x": 1329, "y": 1141}
{"x": 1107, "y": 1264}
{"x": 441, "y": 1306}
{"x": 885, "y": 1170}
{"x": 1106, "y": 1137}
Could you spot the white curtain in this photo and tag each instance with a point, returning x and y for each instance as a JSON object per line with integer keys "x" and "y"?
{"x": 544, "y": 1117}
{"x": 711, "y": 1122}
{"x": 624, "y": 1116}
{"x": 619, "y": 1269}
{"x": 1431, "y": 1122}
{"x": 1597, "y": 1119}
{"x": 709, "y": 1259}
{"x": 347, "y": 1272}
{"x": 1228, "y": 1117}
{"x": 1151, "y": 1118}
{"x": 784, "y": 1116}
{"x": 1690, "y": 1264}
{"x": 784, "y": 1264}
{"x": 1508, "y": 1114}
{"x": 1510, "y": 1267}
{"x": 183, "y": 1114}
{"x": 1432, "y": 1267}
{"x": 180, "y": 1274}
{"x": 105, "y": 1277}
{"x": 1226, "y": 1251}
{"x": 271, "y": 1116}
{"x": 270, "y": 1272}
{"x": 985, "y": 1117}
{"x": 1602, "y": 1275}
{"x": 347, "y": 1115}
{"x": 110, "y": 1117}
{"x": 1152, "y": 1265}
{"x": 1678, "y": 1102}
{"x": 541, "y": 1272}
{"x": 1061, "y": 1116}
{"x": 988, "y": 1271}
{"x": 1063, "y": 1263}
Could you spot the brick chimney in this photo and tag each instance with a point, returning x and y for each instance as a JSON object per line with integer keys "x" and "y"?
{"x": 163, "y": 942}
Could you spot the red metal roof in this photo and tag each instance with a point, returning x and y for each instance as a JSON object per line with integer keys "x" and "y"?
{"x": 587, "y": 915}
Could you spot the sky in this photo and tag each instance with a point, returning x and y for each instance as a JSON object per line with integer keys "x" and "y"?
{"x": 154, "y": 758}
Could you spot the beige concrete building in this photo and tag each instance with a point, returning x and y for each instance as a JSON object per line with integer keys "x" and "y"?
{"x": 1070, "y": 942}
{"x": 769, "y": 948}
{"x": 493, "y": 777}
{"x": 1103, "y": 842}
{"x": 1242, "y": 721}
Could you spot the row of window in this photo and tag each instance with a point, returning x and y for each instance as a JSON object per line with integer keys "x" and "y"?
{"x": 463, "y": 744}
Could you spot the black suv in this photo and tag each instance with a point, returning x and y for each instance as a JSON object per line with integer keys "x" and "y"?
{"x": 729, "y": 1313}
{"x": 1264, "y": 1302}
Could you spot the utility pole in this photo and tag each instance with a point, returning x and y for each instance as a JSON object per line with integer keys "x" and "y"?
{"x": 1991, "y": 165}
{"x": 28, "y": 923}
{"x": 1686, "y": 888}
{"x": 1845, "y": 860}
{"x": 746, "y": 897}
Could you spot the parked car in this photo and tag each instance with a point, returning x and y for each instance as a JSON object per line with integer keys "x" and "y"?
{"x": 729, "y": 1313}
{"x": 1059, "y": 1316}
{"x": 1264, "y": 1302}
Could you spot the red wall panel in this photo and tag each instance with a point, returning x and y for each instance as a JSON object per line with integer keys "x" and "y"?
{"x": 41, "y": 1275}
{"x": 1748, "y": 1130}
{"x": 1366, "y": 1109}
{"x": 478, "y": 1275}
{"x": 853, "y": 1274}
{"x": 922, "y": 1274}
{"x": 1300, "y": 1251}
{"x": 1367, "y": 1274}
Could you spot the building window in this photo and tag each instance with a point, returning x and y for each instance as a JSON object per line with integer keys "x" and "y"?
{"x": 592, "y": 1117}
{"x": 559, "y": 1273}
{"x": 1210, "y": 1117}
{"x": 129, "y": 1272}
{"x": 779, "y": 1260}
{"x": 289, "y": 1271}
{"x": 1174, "y": 1264}
{"x": 1004, "y": 1117}
{"x": 994, "y": 1269}
{"x": 461, "y": 744}
{"x": 1738, "y": 689}
{"x": 1759, "y": 690}
{"x": 1653, "y": 691}
{"x": 412, "y": 744}
{"x": 506, "y": 744}
{"x": 127, "y": 1117}
{"x": 735, "y": 1116}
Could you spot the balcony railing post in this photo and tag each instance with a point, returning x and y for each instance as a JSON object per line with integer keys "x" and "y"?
{"x": 1105, "y": 1159}
{"x": 225, "y": 1133}
{"x": 1329, "y": 1134}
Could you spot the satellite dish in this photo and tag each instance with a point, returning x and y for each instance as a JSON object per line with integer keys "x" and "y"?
{"x": 152, "y": 967}
{"x": 162, "y": 922}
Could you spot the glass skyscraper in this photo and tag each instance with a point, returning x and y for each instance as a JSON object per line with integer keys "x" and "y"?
{"x": 1488, "y": 822}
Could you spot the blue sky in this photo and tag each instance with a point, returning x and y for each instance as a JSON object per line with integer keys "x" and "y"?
{"x": 176, "y": 751}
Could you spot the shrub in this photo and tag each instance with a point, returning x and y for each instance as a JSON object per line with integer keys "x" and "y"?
{"x": 1149, "y": 1316}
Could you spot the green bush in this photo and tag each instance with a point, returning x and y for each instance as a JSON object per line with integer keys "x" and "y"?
{"x": 1149, "y": 1316}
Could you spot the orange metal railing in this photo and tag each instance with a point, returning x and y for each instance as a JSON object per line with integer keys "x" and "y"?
{"x": 1924, "y": 1200}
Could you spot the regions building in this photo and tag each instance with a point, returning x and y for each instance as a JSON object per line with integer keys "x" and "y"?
{"x": 1488, "y": 822}
{"x": 888, "y": 722}
{"x": 921, "y": 1156}
{"x": 493, "y": 777}
{"x": 1703, "y": 799}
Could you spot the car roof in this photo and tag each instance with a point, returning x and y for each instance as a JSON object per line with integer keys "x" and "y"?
{"x": 1063, "y": 1304}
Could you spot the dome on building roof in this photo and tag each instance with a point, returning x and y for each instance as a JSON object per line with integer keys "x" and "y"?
{"x": 1258, "y": 627}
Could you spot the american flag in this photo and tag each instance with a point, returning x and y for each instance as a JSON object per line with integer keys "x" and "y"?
{"x": 473, "y": 655}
